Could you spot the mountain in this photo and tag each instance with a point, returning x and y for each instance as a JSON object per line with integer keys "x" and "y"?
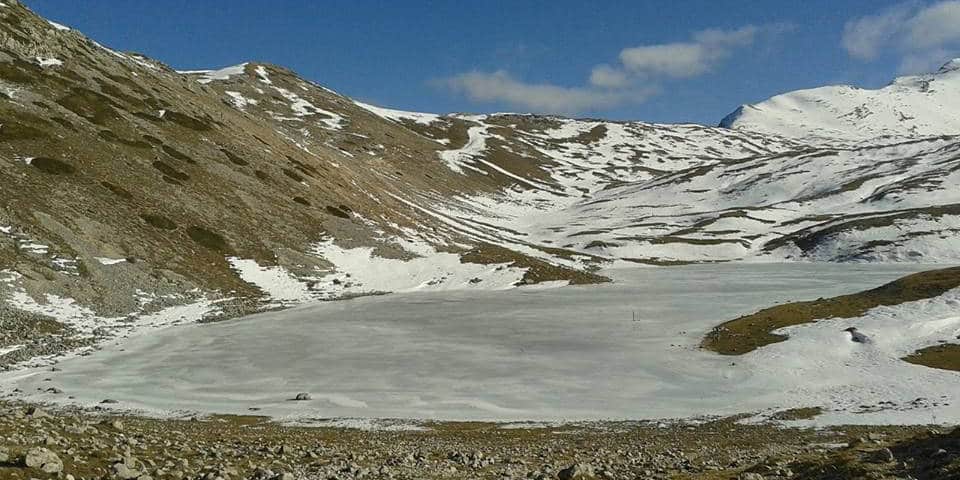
{"x": 910, "y": 107}
{"x": 136, "y": 194}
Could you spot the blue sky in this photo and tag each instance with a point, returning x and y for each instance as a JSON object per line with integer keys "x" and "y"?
{"x": 664, "y": 61}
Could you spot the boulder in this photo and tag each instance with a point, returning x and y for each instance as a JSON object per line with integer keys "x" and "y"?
{"x": 579, "y": 471}
{"x": 43, "y": 460}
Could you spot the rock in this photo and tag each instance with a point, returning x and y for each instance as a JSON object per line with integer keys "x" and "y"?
{"x": 4, "y": 455}
{"x": 751, "y": 476}
{"x": 579, "y": 471}
{"x": 123, "y": 471}
{"x": 109, "y": 401}
{"x": 884, "y": 456}
{"x": 43, "y": 460}
{"x": 262, "y": 474}
{"x": 301, "y": 397}
{"x": 36, "y": 412}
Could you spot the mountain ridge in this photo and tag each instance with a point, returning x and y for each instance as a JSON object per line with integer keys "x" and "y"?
{"x": 910, "y": 106}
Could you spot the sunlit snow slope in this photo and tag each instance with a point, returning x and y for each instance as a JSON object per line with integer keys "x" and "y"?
{"x": 922, "y": 105}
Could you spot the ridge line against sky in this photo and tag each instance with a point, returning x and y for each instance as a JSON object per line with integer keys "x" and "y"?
{"x": 687, "y": 61}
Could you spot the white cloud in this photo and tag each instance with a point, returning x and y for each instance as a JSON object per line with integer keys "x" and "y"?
{"x": 935, "y": 26}
{"x": 500, "y": 86}
{"x": 921, "y": 35}
{"x": 605, "y": 76}
{"x": 864, "y": 37}
{"x": 637, "y": 77}
{"x": 687, "y": 59}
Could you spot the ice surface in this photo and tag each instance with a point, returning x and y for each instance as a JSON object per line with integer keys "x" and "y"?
{"x": 544, "y": 355}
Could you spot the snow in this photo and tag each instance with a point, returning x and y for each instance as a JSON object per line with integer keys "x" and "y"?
{"x": 721, "y": 195}
{"x": 9, "y": 276}
{"x": 541, "y": 355}
{"x": 110, "y": 261}
{"x": 275, "y": 281}
{"x": 302, "y": 108}
{"x": 399, "y": 115}
{"x": 263, "y": 75}
{"x": 48, "y": 62}
{"x": 9, "y": 349}
{"x": 35, "y": 248}
{"x": 58, "y": 26}
{"x": 239, "y": 101}
{"x": 910, "y": 107}
{"x": 85, "y": 320}
{"x": 460, "y": 158}
{"x": 143, "y": 62}
{"x": 358, "y": 271}
{"x": 207, "y": 76}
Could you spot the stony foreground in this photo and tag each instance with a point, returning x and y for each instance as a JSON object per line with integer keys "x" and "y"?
{"x": 40, "y": 444}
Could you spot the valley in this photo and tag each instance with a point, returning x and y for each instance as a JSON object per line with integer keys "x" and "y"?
{"x": 243, "y": 255}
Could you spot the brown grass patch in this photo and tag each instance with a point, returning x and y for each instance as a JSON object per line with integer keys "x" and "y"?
{"x": 945, "y": 357}
{"x": 170, "y": 171}
{"x": 159, "y": 221}
{"x": 208, "y": 239}
{"x": 803, "y": 413}
{"x": 537, "y": 270}
{"x": 753, "y": 331}
{"x": 52, "y": 166}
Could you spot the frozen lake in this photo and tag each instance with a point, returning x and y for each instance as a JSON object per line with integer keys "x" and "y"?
{"x": 573, "y": 353}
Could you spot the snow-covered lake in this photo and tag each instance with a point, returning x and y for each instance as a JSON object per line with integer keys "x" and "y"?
{"x": 572, "y": 353}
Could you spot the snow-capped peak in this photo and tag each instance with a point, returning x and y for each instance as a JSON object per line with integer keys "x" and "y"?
{"x": 909, "y": 107}
{"x": 951, "y": 66}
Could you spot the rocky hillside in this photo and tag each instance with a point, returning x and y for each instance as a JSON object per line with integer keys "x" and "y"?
{"x": 133, "y": 191}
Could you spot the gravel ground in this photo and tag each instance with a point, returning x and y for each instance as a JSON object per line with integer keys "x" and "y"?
{"x": 41, "y": 444}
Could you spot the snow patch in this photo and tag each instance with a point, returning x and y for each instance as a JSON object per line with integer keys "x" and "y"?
{"x": 463, "y": 157}
{"x": 263, "y": 75}
{"x": 86, "y": 321}
{"x": 62, "y": 28}
{"x": 399, "y": 115}
{"x": 11, "y": 348}
{"x": 110, "y": 261}
{"x": 207, "y": 76}
{"x": 48, "y": 62}
{"x": 302, "y": 108}
{"x": 359, "y": 271}
{"x": 275, "y": 281}
{"x": 239, "y": 101}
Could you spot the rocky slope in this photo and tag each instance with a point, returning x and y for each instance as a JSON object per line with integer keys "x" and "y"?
{"x": 137, "y": 196}
{"x": 41, "y": 444}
